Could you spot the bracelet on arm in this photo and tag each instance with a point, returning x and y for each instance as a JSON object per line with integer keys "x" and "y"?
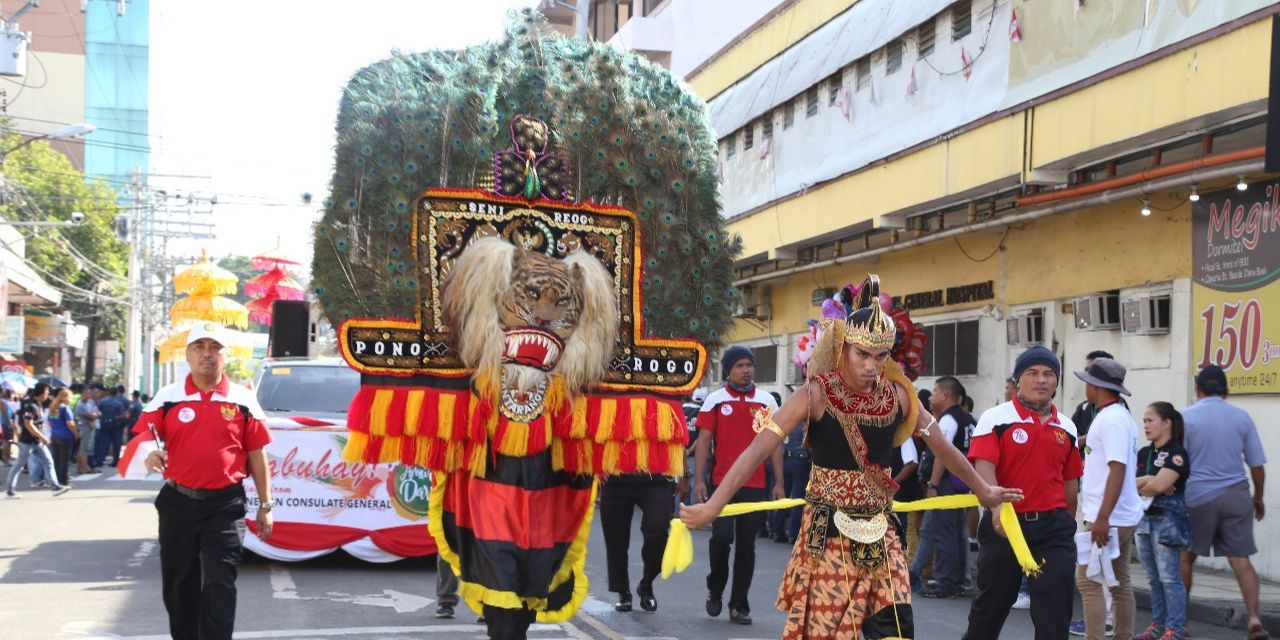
{"x": 925, "y": 431}
{"x": 763, "y": 421}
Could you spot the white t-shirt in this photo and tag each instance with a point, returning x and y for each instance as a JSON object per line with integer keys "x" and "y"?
{"x": 909, "y": 453}
{"x": 1113, "y": 437}
{"x": 948, "y": 426}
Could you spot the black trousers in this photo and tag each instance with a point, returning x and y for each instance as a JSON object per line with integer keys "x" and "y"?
{"x": 508, "y": 624}
{"x": 199, "y": 551}
{"x": 62, "y": 451}
{"x": 723, "y": 533}
{"x": 999, "y": 577}
{"x": 950, "y": 543}
{"x": 619, "y": 498}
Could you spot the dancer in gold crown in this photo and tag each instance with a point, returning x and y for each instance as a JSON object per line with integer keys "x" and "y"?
{"x": 848, "y": 574}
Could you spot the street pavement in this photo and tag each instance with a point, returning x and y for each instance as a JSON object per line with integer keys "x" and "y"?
{"x": 85, "y": 565}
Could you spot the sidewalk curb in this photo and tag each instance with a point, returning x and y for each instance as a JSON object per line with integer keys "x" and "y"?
{"x": 1216, "y": 612}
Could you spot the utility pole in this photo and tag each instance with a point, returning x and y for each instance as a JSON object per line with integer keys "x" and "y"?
{"x": 137, "y": 285}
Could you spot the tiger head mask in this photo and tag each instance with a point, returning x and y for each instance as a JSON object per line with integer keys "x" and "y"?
{"x": 530, "y": 316}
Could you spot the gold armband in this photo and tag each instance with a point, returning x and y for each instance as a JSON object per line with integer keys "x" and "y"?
{"x": 763, "y": 421}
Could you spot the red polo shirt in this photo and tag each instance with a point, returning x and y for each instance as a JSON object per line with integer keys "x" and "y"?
{"x": 728, "y": 416}
{"x": 1029, "y": 455}
{"x": 208, "y": 434}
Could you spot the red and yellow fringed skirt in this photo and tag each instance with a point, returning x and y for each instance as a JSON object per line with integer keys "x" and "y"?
{"x": 511, "y": 502}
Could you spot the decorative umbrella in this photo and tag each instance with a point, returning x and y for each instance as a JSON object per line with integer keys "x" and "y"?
{"x": 209, "y": 307}
{"x": 174, "y": 348}
{"x": 204, "y": 277}
{"x": 273, "y": 259}
{"x": 275, "y": 284}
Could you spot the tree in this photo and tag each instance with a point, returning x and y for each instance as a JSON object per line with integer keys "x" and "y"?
{"x": 239, "y": 265}
{"x": 86, "y": 262}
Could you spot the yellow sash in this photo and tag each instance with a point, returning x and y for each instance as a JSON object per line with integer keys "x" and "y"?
{"x": 678, "y": 554}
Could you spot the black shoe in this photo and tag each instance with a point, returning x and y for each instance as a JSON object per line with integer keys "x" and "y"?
{"x": 647, "y": 601}
{"x": 740, "y": 616}
{"x": 764, "y": 533}
{"x": 624, "y": 602}
{"x": 933, "y": 590}
{"x": 444, "y": 611}
{"x": 714, "y": 605}
{"x": 781, "y": 540}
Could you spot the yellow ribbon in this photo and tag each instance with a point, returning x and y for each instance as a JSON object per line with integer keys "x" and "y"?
{"x": 678, "y": 554}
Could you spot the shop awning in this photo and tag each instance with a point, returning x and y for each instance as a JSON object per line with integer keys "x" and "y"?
{"x": 25, "y": 285}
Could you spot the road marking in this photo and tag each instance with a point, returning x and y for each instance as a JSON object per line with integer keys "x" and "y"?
{"x": 470, "y": 629}
{"x": 595, "y": 603}
{"x": 284, "y": 588}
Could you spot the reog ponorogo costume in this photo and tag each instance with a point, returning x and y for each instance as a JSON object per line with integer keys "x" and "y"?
{"x": 524, "y": 249}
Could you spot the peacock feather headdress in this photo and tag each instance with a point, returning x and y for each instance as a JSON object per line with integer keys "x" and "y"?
{"x": 534, "y": 115}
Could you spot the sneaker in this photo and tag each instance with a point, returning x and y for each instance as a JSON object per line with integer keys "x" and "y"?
{"x": 39, "y": 485}
{"x": 61, "y": 490}
{"x": 1077, "y": 628}
{"x": 12, "y": 495}
{"x": 1152, "y": 632}
{"x": 1023, "y": 601}
{"x": 444, "y": 611}
{"x": 1170, "y": 634}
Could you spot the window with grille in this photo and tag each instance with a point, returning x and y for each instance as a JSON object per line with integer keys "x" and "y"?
{"x": 961, "y": 19}
{"x": 788, "y": 114}
{"x": 893, "y": 56}
{"x": 811, "y": 102}
{"x": 766, "y": 126}
{"x": 864, "y": 73}
{"x": 766, "y": 364}
{"x": 749, "y": 136}
{"x": 732, "y": 149}
{"x": 952, "y": 349}
{"x": 833, "y": 88}
{"x": 925, "y": 34}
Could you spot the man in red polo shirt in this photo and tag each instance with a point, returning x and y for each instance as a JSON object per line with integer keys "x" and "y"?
{"x": 1028, "y": 444}
{"x": 725, "y": 422}
{"x": 213, "y": 438}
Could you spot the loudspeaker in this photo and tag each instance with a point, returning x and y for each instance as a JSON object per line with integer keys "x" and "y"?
{"x": 289, "y": 329}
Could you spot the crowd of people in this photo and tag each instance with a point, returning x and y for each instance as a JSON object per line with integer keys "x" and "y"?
{"x": 1092, "y": 497}
{"x": 53, "y": 426}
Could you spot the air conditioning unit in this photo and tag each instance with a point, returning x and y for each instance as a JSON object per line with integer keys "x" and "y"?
{"x": 1098, "y": 312}
{"x": 1147, "y": 315}
{"x": 750, "y": 304}
{"x": 1025, "y": 328}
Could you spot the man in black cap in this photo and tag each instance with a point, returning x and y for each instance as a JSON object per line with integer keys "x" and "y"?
{"x": 1217, "y": 436}
{"x": 1028, "y": 444}
{"x": 1109, "y": 495}
{"x": 725, "y": 422}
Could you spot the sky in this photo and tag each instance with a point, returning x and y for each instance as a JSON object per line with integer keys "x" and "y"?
{"x": 244, "y": 95}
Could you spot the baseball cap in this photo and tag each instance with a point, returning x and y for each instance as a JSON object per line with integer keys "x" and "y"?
{"x": 1212, "y": 379}
{"x": 210, "y": 330}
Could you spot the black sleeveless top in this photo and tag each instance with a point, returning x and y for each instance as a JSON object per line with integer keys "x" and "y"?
{"x": 829, "y": 447}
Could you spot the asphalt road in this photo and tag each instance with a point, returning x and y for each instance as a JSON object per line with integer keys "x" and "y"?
{"x": 85, "y": 565}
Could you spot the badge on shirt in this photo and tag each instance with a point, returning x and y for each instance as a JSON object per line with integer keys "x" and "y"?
{"x": 186, "y": 414}
{"x": 1060, "y": 437}
{"x": 1160, "y": 459}
{"x": 1020, "y": 436}
{"x": 1177, "y": 461}
{"x": 726, "y": 409}
{"x": 228, "y": 412}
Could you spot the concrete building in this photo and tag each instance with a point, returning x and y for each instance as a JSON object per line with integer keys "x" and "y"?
{"x": 1017, "y": 172}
